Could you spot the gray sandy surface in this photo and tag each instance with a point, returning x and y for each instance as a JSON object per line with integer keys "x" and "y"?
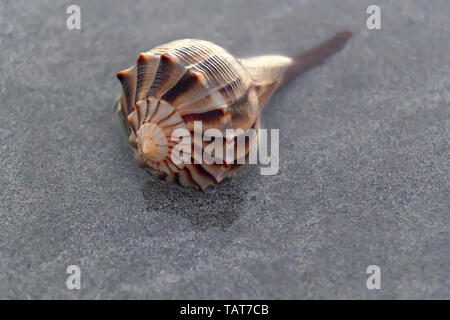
{"x": 364, "y": 157}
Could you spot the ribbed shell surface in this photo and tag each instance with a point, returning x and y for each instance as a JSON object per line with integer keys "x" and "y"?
{"x": 175, "y": 84}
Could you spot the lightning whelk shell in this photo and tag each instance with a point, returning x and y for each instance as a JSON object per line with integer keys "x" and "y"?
{"x": 183, "y": 81}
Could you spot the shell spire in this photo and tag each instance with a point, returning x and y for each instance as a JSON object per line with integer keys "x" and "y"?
{"x": 175, "y": 85}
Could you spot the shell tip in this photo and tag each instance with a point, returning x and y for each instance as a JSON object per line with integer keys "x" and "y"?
{"x": 121, "y": 75}
{"x": 317, "y": 55}
{"x": 142, "y": 57}
{"x": 344, "y": 34}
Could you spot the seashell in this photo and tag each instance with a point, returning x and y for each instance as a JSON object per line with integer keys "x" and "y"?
{"x": 183, "y": 81}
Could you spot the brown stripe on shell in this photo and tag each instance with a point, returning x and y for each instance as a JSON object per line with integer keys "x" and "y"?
{"x": 147, "y": 65}
{"x": 168, "y": 73}
{"x": 204, "y": 117}
{"x": 215, "y": 119}
{"x": 191, "y": 87}
{"x": 128, "y": 80}
{"x": 218, "y": 98}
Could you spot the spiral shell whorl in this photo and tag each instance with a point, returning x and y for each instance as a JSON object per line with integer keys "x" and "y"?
{"x": 175, "y": 84}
